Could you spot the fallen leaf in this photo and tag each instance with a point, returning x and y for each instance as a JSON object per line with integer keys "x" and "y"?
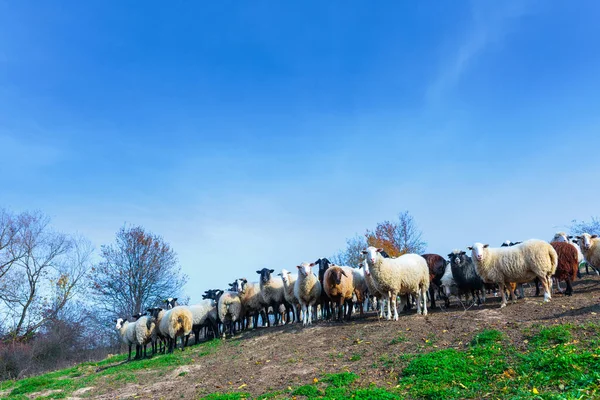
{"x": 243, "y": 385}
{"x": 535, "y": 391}
{"x": 315, "y": 380}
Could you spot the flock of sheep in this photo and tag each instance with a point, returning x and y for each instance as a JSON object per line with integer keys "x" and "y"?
{"x": 378, "y": 282}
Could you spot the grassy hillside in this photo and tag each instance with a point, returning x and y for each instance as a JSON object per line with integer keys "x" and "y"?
{"x": 527, "y": 350}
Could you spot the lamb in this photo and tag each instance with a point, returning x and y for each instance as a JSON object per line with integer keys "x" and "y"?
{"x": 520, "y": 263}
{"x": 465, "y": 276}
{"x": 307, "y": 290}
{"x": 272, "y": 291}
{"x": 252, "y": 301}
{"x": 437, "y": 267}
{"x": 126, "y": 330}
{"x": 173, "y": 323}
{"x": 324, "y": 301}
{"x": 407, "y": 274}
{"x": 567, "y": 267}
{"x": 289, "y": 281}
{"x": 590, "y": 246}
{"x": 338, "y": 283}
{"x": 230, "y": 310}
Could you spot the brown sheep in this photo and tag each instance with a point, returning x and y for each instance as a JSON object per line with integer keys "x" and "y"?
{"x": 339, "y": 286}
{"x": 437, "y": 267}
{"x": 567, "y": 264}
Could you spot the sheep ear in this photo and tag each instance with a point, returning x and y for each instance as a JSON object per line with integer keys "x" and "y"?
{"x": 363, "y": 252}
{"x": 594, "y": 236}
{"x": 312, "y": 264}
{"x": 486, "y": 246}
{"x": 379, "y": 250}
{"x": 344, "y": 273}
{"x": 258, "y": 272}
{"x": 299, "y": 266}
{"x": 272, "y": 270}
{"x": 470, "y": 248}
{"x": 569, "y": 237}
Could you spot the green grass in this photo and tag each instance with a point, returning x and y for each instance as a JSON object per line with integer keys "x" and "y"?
{"x": 399, "y": 339}
{"x": 550, "y": 362}
{"x": 113, "y": 371}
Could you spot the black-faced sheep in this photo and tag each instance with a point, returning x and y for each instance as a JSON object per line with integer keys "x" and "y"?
{"x": 126, "y": 330}
{"x": 271, "y": 288}
{"x": 174, "y": 323}
{"x": 324, "y": 300}
{"x": 465, "y": 275}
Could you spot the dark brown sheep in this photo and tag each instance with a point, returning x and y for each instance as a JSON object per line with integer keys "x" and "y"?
{"x": 437, "y": 267}
{"x": 567, "y": 264}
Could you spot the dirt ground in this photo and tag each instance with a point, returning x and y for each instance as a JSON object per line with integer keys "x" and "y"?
{"x": 269, "y": 359}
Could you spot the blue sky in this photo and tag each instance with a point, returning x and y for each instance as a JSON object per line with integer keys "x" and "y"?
{"x": 263, "y": 134}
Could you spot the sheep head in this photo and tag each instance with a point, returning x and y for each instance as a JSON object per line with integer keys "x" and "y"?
{"x": 305, "y": 268}
{"x": 478, "y": 250}
{"x": 119, "y": 323}
{"x": 265, "y": 274}
{"x": 585, "y": 240}
{"x": 371, "y": 253}
{"x": 458, "y": 257}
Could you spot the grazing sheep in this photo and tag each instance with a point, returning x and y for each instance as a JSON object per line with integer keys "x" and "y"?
{"x": 173, "y": 323}
{"x": 465, "y": 275}
{"x": 230, "y": 310}
{"x": 253, "y": 302}
{"x": 127, "y": 331}
{"x": 567, "y": 267}
{"x": 339, "y": 285}
{"x": 437, "y": 267}
{"x": 324, "y": 301}
{"x": 520, "y": 263}
{"x": 289, "y": 281}
{"x": 307, "y": 290}
{"x": 407, "y": 274}
{"x": 590, "y": 246}
{"x": 271, "y": 288}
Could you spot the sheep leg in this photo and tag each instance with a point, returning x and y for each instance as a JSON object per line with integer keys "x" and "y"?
{"x": 546, "y": 287}
{"x": 350, "y": 306}
{"x": 503, "y": 293}
{"x": 569, "y": 290}
{"x": 424, "y": 295}
{"x": 394, "y": 305}
{"x": 304, "y": 316}
{"x": 184, "y": 342}
{"x": 432, "y": 295}
{"x": 309, "y": 314}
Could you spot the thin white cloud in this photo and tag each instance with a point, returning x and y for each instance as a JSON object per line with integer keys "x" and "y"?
{"x": 491, "y": 22}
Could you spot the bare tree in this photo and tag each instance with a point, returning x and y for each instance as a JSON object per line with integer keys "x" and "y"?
{"x": 351, "y": 256}
{"x": 10, "y": 249}
{"x": 397, "y": 237}
{"x": 44, "y": 276}
{"x": 137, "y": 271}
{"x": 592, "y": 227}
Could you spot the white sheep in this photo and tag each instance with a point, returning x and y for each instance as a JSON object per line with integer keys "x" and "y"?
{"x": 145, "y": 332}
{"x": 253, "y": 302}
{"x": 590, "y": 245}
{"x": 204, "y": 314}
{"x": 521, "y": 263}
{"x": 289, "y": 281}
{"x": 230, "y": 310}
{"x": 563, "y": 237}
{"x": 272, "y": 291}
{"x": 375, "y": 294}
{"x": 126, "y": 330}
{"x": 174, "y": 323}
{"x": 407, "y": 274}
{"x": 307, "y": 290}
{"x": 449, "y": 284}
